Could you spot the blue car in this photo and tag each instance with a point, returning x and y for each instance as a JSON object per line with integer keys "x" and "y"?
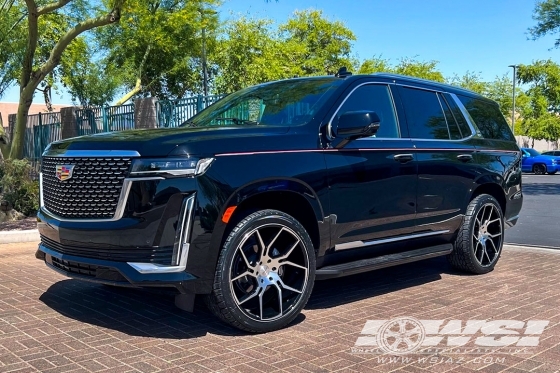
{"x": 533, "y": 161}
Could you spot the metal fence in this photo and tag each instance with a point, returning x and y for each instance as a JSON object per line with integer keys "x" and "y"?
{"x": 41, "y": 130}
{"x": 44, "y": 128}
{"x": 104, "y": 119}
{"x": 172, "y": 113}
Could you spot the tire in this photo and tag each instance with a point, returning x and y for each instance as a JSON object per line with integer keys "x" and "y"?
{"x": 539, "y": 169}
{"x": 480, "y": 239}
{"x": 552, "y": 173}
{"x": 268, "y": 257}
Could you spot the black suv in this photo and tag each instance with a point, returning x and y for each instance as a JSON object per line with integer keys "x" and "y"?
{"x": 281, "y": 184}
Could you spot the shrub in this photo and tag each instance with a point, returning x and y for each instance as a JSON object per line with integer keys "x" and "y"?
{"x": 17, "y": 187}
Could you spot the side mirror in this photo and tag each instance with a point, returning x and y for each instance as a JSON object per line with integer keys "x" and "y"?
{"x": 356, "y": 124}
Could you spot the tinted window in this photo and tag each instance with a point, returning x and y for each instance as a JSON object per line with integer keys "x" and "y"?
{"x": 424, "y": 114}
{"x": 376, "y": 98}
{"x": 459, "y": 118}
{"x": 488, "y": 118}
{"x": 289, "y": 102}
{"x": 454, "y": 131}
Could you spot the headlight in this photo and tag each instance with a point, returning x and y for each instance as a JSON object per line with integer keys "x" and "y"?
{"x": 170, "y": 166}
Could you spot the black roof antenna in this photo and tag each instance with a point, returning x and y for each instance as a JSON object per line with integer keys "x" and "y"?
{"x": 343, "y": 72}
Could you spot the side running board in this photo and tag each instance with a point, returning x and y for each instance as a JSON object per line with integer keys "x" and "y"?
{"x": 370, "y": 264}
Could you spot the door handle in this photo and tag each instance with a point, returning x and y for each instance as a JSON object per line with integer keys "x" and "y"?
{"x": 465, "y": 157}
{"x": 403, "y": 158}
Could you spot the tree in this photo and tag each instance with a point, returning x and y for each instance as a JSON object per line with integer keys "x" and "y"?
{"x": 471, "y": 81}
{"x": 375, "y": 65}
{"x": 541, "y": 116}
{"x": 250, "y": 53}
{"x": 33, "y": 72}
{"x": 322, "y": 46}
{"x": 11, "y": 43}
{"x": 419, "y": 69}
{"x": 90, "y": 81}
{"x": 157, "y": 48}
{"x": 547, "y": 15}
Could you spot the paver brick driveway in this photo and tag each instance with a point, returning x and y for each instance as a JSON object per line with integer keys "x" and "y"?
{"x": 49, "y": 323}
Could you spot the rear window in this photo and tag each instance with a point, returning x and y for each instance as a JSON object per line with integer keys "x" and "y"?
{"x": 488, "y": 118}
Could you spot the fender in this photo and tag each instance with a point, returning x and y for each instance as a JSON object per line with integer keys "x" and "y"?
{"x": 205, "y": 248}
{"x": 281, "y": 184}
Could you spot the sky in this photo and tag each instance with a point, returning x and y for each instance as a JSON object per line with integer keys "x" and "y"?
{"x": 480, "y": 36}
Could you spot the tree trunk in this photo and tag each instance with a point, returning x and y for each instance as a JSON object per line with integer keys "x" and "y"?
{"x": 30, "y": 78}
{"x": 137, "y": 88}
{"x": 18, "y": 136}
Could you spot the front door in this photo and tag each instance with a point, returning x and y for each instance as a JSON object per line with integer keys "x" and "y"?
{"x": 372, "y": 180}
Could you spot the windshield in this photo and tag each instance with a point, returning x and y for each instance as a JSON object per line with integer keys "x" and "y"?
{"x": 284, "y": 103}
{"x": 532, "y": 152}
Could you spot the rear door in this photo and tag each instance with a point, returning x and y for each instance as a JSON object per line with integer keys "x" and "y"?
{"x": 446, "y": 159}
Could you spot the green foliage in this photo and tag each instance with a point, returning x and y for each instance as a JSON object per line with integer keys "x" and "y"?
{"x": 158, "y": 45}
{"x": 321, "y": 46}
{"x": 251, "y": 51}
{"x": 248, "y": 54}
{"x": 541, "y": 115}
{"x": 17, "y": 187}
{"x": 12, "y": 43}
{"x": 90, "y": 83}
{"x": 471, "y": 81}
{"x": 547, "y": 15}
{"x": 419, "y": 69}
{"x": 375, "y": 65}
{"x": 405, "y": 66}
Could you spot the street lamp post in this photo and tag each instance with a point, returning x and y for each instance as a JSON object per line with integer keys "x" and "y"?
{"x": 513, "y": 109}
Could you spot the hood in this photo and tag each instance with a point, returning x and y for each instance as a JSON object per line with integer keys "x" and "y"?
{"x": 161, "y": 142}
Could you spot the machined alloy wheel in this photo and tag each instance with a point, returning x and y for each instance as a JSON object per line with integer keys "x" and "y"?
{"x": 265, "y": 272}
{"x": 480, "y": 239}
{"x": 539, "y": 169}
{"x": 488, "y": 234}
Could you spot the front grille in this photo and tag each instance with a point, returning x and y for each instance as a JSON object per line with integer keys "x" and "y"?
{"x": 91, "y": 193}
{"x": 160, "y": 255}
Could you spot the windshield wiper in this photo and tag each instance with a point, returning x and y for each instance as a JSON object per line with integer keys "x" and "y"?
{"x": 239, "y": 121}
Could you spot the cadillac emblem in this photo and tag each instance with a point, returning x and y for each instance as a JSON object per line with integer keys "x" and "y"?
{"x": 64, "y": 171}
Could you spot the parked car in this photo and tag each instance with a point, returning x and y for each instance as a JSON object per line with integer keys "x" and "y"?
{"x": 281, "y": 184}
{"x": 553, "y": 153}
{"x": 538, "y": 163}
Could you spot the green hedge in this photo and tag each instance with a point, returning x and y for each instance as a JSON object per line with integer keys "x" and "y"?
{"x": 17, "y": 187}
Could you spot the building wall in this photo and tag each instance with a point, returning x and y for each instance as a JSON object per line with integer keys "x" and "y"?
{"x": 540, "y": 145}
{"x": 7, "y": 108}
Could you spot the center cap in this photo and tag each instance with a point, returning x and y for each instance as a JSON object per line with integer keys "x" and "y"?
{"x": 264, "y": 270}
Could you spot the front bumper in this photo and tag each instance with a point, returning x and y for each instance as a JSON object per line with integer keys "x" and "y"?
{"x": 147, "y": 246}
{"x": 108, "y": 272}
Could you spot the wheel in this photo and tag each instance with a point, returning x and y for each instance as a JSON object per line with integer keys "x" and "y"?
{"x": 265, "y": 272}
{"x": 552, "y": 173}
{"x": 479, "y": 242}
{"x": 539, "y": 169}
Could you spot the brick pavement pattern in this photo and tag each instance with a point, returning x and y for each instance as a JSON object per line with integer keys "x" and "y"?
{"x": 49, "y": 323}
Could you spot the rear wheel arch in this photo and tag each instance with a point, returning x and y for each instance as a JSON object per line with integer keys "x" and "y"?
{"x": 493, "y": 189}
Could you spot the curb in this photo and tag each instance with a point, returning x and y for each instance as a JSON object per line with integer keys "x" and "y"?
{"x": 545, "y": 249}
{"x": 30, "y": 235}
